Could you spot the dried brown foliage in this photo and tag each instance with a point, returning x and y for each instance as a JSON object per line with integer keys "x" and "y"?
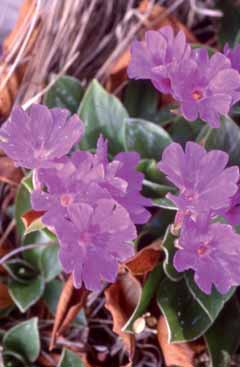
{"x": 64, "y": 35}
{"x": 9, "y": 173}
{"x": 5, "y": 299}
{"x": 145, "y": 260}
{"x": 31, "y": 216}
{"x": 121, "y": 300}
{"x": 11, "y": 70}
{"x": 70, "y": 303}
{"x": 177, "y": 354}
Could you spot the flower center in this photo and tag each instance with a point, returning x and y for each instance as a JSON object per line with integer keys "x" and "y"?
{"x": 202, "y": 249}
{"x": 190, "y": 195}
{"x": 85, "y": 237}
{"x": 197, "y": 95}
{"x": 39, "y": 153}
{"x": 66, "y": 199}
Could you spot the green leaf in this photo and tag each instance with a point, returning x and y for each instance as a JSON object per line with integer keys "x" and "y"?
{"x": 226, "y": 138}
{"x": 26, "y": 295}
{"x": 230, "y": 22}
{"x": 20, "y": 270}
{"x": 5, "y": 312}
{"x": 235, "y": 111}
{"x": 66, "y": 92}
{"x": 151, "y": 171}
{"x": 34, "y": 256}
{"x": 223, "y": 337}
{"x": 237, "y": 38}
{"x": 165, "y": 116}
{"x": 159, "y": 222}
{"x": 155, "y": 190}
{"x": 24, "y": 339}
{"x": 22, "y": 205}
{"x": 70, "y": 359}
{"x": 169, "y": 250}
{"x": 203, "y": 135}
{"x": 213, "y": 303}
{"x": 146, "y": 138}
{"x": 104, "y": 114}
{"x": 27, "y": 182}
{"x": 164, "y": 203}
{"x": 141, "y": 99}
{"x": 12, "y": 359}
{"x": 182, "y": 131}
{"x": 49, "y": 263}
{"x": 147, "y": 294}
{"x": 185, "y": 317}
{"x": 52, "y": 293}
{"x": 44, "y": 259}
{"x": 49, "y": 234}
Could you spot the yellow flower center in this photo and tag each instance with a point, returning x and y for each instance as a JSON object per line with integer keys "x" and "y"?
{"x": 66, "y": 199}
{"x": 197, "y": 95}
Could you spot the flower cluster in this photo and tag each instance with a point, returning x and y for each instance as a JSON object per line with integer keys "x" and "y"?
{"x": 90, "y": 203}
{"x": 207, "y": 189}
{"x": 205, "y": 87}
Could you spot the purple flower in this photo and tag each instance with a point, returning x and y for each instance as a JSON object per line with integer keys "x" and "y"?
{"x": 204, "y": 182}
{"x": 94, "y": 240}
{"x": 154, "y": 57}
{"x": 205, "y": 87}
{"x": 132, "y": 199}
{"x": 35, "y": 138}
{"x": 234, "y": 56}
{"x": 232, "y": 213}
{"x": 213, "y": 254}
{"x": 85, "y": 178}
{"x": 119, "y": 177}
{"x": 63, "y": 190}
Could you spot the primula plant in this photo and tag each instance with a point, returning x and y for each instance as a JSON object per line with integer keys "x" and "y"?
{"x": 104, "y": 181}
{"x": 91, "y": 204}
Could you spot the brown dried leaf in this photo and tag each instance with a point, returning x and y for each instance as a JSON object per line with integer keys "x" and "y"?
{"x": 25, "y": 13}
{"x": 45, "y": 360}
{"x": 159, "y": 17}
{"x": 9, "y": 91}
{"x": 5, "y": 248}
{"x": 122, "y": 63}
{"x": 121, "y": 300}
{"x": 9, "y": 173}
{"x": 70, "y": 303}
{"x": 5, "y": 299}
{"x": 178, "y": 354}
{"x": 30, "y": 217}
{"x": 145, "y": 260}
